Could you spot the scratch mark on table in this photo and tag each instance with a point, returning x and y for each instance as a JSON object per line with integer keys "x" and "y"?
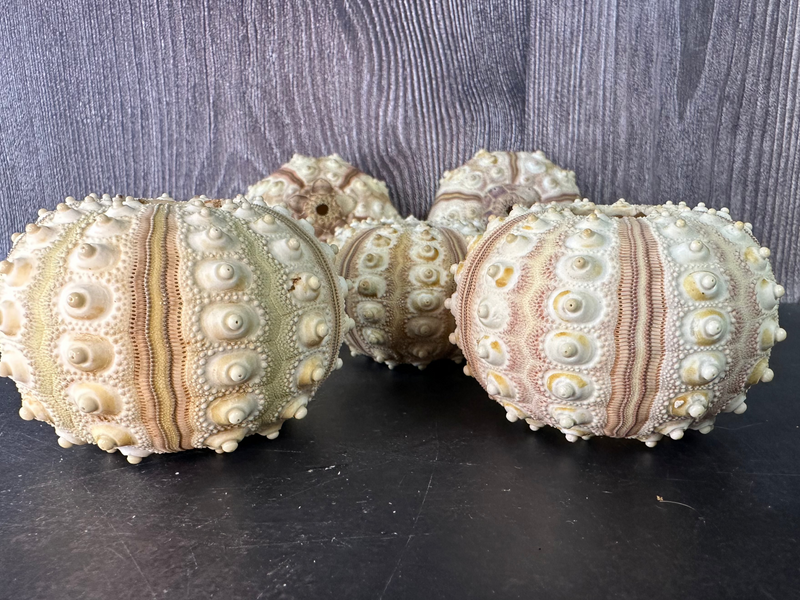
{"x": 661, "y": 500}
{"x": 304, "y": 490}
{"x": 419, "y": 512}
{"x": 313, "y": 541}
{"x": 37, "y": 440}
{"x": 130, "y": 554}
{"x": 425, "y": 497}
{"x": 396, "y": 566}
{"x": 740, "y": 428}
{"x": 117, "y": 553}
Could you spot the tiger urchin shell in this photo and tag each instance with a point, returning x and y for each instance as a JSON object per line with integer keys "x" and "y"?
{"x": 328, "y": 192}
{"x": 159, "y": 326}
{"x": 490, "y": 183}
{"x": 624, "y": 321}
{"x": 400, "y": 275}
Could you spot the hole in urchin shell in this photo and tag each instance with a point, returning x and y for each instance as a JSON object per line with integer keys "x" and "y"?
{"x": 638, "y": 215}
{"x": 322, "y": 209}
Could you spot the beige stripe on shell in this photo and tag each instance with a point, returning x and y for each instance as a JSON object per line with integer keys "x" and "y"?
{"x": 177, "y": 343}
{"x": 513, "y": 167}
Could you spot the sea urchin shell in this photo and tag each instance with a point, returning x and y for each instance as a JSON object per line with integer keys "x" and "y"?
{"x": 158, "y": 326}
{"x": 625, "y": 321}
{"x": 400, "y": 274}
{"x": 328, "y": 192}
{"x": 491, "y": 183}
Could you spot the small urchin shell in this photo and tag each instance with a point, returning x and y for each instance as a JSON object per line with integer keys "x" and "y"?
{"x": 491, "y": 183}
{"x": 159, "y": 326}
{"x": 401, "y": 280}
{"x": 624, "y": 321}
{"x": 328, "y": 192}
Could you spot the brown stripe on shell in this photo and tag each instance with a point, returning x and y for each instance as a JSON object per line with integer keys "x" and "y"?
{"x": 140, "y": 302}
{"x": 456, "y": 245}
{"x": 397, "y": 280}
{"x": 291, "y": 176}
{"x": 641, "y": 321}
{"x": 349, "y": 175}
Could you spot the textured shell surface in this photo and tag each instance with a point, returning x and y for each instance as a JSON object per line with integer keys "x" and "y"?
{"x": 151, "y": 326}
{"x": 625, "y": 321}
{"x": 400, "y": 276}
{"x": 491, "y": 183}
{"x": 328, "y": 192}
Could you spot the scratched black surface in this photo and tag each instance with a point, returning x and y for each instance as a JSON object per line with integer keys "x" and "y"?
{"x": 411, "y": 484}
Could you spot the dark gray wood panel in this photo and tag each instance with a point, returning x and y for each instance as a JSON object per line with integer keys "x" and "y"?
{"x": 693, "y": 100}
{"x": 649, "y": 100}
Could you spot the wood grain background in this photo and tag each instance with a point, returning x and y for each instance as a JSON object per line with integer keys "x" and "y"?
{"x": 650, "y": 100}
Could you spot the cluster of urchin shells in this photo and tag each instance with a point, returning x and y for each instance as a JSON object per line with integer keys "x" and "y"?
{"x": 149, "y": 325}
{"x": 400, "y": 268}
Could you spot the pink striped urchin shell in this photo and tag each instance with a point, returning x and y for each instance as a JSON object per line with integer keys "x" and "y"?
{"x": 400, "y": 275}
{"x": 328, "y": 192}
{"x": 158, "y": 326}
{"x": 624, "y": 321}
{"x": 490, "y": 183}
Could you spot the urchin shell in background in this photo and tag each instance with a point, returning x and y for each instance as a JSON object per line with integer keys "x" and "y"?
{"x": 624, "y": 321}
{"x": 490, "y": 183}
{"x": 400, "y": 275}
{"x": 328, "y": 192}
{"x": 159, "y": 326}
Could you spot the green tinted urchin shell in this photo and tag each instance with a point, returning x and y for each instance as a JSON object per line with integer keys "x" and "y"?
{"x": 159, "y": 326}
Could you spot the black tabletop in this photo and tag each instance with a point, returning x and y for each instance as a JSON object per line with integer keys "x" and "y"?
{"x": 409, "y": 484}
